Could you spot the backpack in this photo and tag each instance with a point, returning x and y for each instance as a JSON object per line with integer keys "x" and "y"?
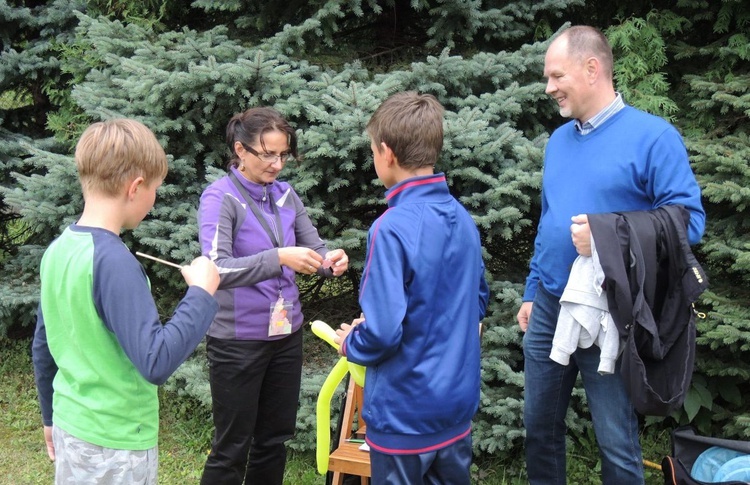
{"x": 689, "y": 448}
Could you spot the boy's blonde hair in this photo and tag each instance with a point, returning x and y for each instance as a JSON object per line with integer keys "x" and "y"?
{"x": 411, "y": 124}
{"x": 113, "y": 152}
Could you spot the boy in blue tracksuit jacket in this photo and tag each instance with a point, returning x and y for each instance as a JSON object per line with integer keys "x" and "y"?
{"x": 422, "y": 295}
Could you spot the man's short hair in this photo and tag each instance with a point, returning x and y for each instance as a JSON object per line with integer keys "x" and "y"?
{"x": 585, "y": 41}
{"x": 113, "y": 152}
{"x": 410, "y": 124}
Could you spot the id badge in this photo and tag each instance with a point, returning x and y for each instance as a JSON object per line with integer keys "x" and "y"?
{"x": 280, "y": 322}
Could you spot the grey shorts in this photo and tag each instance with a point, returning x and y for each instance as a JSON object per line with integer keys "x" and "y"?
{"x": 80, "y": 462}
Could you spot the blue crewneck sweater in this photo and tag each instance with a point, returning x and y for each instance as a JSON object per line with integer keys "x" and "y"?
{"x": 634, "y": 161}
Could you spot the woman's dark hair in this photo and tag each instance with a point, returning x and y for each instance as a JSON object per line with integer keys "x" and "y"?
{"x": 249, "y": 126}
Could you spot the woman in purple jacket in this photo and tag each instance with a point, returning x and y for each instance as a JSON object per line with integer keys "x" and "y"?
{"x": 257, "y": 231}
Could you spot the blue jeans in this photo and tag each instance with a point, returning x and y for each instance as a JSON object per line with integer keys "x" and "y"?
{"x": 548, "y": 386}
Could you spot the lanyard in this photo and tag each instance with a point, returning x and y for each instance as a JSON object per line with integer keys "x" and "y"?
{"x": 277, "y": 242}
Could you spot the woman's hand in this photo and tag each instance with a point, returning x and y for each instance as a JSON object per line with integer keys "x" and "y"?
{"x": 301, "y": 260}
{"x": 339, "y": 261}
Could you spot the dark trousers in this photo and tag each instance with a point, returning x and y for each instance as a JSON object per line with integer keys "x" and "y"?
{"x": 254, "y": 391}
{"x": 447, "y": 466}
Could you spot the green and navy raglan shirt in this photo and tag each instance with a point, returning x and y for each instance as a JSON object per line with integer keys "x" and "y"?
{"x": 100, "y": 349}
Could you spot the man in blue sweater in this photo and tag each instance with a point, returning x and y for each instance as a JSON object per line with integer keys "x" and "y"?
{"x": 610, "y": 157}
{"x": 423, "y": 294}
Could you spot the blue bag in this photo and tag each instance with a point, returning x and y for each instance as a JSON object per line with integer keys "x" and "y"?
{"x": 703, "y": 460}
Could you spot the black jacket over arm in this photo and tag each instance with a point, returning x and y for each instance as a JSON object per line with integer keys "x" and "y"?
{"x": 651, "y": 280}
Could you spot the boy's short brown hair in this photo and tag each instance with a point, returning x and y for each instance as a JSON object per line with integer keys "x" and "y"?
{"x": 111, "y": 153}
{"x": 411, "y": 124}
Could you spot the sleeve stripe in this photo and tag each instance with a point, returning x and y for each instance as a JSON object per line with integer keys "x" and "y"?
{"x": 372, "y": 250}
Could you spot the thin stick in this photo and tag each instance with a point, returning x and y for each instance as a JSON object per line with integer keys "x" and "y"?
{"x": 158, "y": 260}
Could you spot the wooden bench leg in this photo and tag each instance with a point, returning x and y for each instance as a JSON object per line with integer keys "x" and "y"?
{"x": 338, "y": 479}
{"x": 347, "y": 458}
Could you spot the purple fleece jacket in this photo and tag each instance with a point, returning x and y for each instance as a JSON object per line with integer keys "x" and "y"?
{"x": 251, "y": 277}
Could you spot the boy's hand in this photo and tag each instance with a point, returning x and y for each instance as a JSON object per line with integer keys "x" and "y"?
{"x": 339, "y": 261}
{"x": 341, "y": 334}
{"x": 346, "y": 329}
{"x": 202, "y": 272}
{"x": 48, "y": 442}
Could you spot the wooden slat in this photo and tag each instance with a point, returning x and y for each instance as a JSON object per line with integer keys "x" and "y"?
{"x": 349, "y": 459}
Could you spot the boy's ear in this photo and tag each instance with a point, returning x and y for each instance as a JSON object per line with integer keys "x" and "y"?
{"x": 134, "y": 185}
{"x": 388, "y": 154}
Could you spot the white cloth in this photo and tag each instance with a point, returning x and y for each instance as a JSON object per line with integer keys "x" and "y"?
{"x": 584, "y": 318}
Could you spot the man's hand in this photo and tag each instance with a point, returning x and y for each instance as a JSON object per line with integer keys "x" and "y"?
{"x": 523, "y": 315}
{"x": 580, "y": 232}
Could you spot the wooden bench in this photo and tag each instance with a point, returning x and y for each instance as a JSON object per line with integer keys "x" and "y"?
{"x": 347, "y": 458}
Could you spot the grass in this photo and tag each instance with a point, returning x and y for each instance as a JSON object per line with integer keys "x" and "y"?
{"x": 184, "y": 437}
{"x": 186, "y": 432}
{"x": 22, "y": 458}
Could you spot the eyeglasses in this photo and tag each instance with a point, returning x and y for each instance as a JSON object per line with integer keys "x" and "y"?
{"x": 269, "y": 158}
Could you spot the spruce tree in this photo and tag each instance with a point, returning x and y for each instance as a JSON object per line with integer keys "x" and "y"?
{"x": 185, "y": 84}
{"x": 327, "y": 65}
{"x": 30, "y": 73}
{"x": 715, "y": 79}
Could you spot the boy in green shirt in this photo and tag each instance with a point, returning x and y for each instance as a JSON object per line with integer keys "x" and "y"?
{"x": 100, "y": 349}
